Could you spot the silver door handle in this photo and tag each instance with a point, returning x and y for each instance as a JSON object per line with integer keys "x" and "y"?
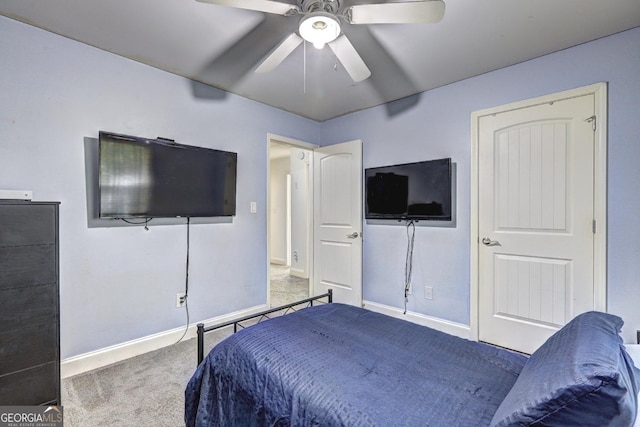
{"x": 488, "y": 242}
{"x": 353, "y": 235}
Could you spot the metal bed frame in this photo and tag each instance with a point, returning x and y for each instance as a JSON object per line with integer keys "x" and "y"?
{"x": 261, "y": 316}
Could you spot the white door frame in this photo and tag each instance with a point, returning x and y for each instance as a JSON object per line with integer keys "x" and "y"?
{"x": 599, "y": 90}
{"x": 294, "y": 143}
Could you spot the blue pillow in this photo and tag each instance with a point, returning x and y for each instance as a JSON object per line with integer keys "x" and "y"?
{"x": 581, "y": 376}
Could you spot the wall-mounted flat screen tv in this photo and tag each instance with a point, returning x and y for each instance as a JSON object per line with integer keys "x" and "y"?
{"x": 157, "y": 178}
{"x": 409, "y": 191}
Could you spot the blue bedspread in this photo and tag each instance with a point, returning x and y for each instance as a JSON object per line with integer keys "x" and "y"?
{"x": 339, "y": 365}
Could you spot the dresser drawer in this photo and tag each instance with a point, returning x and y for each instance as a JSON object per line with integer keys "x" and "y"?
{"x": 27, "y": 265}
{"x": 24, "y": 306}
{"x": 33, "y": 344}
{"x": 34, "y": 386}
{"x": 25, "y": 224}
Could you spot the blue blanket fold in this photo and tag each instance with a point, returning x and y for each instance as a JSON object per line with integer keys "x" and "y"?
{"x": 339, "y": 365}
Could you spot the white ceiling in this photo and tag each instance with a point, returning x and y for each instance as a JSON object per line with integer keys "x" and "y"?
{"x": 220, "y": 46}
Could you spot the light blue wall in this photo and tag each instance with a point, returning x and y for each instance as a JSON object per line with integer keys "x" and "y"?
{"x": 439, "y": 126}
{"x": 119, "y": 284}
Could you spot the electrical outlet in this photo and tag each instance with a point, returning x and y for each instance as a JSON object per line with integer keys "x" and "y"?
{"x": 181, "y": 299}
{"x": 428, "y": 292}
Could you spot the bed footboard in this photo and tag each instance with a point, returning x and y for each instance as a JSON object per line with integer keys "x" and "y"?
{"x": 260, "y": 316}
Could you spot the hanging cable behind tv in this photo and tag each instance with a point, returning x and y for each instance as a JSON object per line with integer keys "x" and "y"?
{"x": 408, "y": 264}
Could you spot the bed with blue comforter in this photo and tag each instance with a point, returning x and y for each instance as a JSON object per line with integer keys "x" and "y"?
{"x": 339, "y": 365}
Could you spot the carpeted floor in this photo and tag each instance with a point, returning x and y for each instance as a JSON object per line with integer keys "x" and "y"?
{"x": 286, "y": 288}
{"x": 148, "y": 390}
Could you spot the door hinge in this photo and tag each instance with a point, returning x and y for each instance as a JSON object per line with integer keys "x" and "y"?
{"x": 593, "y": 121}
{"x": 593, "y": 226}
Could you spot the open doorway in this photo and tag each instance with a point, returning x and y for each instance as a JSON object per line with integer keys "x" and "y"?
{"x": 289, "y": 220}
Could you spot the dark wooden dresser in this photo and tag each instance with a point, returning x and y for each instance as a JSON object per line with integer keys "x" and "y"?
{"x": 29, "y": 303}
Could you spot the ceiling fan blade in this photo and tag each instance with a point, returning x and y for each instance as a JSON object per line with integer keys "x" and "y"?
{"x": 268, "y": 6}
{"x": 350, "y": 59}
{"x": 230, "y": 66}
{"x": 412, "y": 12}
{"x": 278, "y": 55}
{"x": 388, "y": 78}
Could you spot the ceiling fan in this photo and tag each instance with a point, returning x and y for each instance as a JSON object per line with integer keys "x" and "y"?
{"x": 321, "y": 21}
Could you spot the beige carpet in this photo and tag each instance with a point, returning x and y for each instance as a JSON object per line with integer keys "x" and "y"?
{"x": 148, "y": 390}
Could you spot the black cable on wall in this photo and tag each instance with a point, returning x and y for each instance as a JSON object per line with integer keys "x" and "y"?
{"x": 408, "y": 264}
{"x": 186, "y": 282}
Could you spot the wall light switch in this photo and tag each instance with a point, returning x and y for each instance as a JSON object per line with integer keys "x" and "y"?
{"x": 253, "y": 207}
{"x": 428, "y": 292}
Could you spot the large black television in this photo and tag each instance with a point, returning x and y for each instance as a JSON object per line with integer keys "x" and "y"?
{"x": 409, "y": 191}
{"x": 158, "y": 178}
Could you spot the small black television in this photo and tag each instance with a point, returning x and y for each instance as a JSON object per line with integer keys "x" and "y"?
{"x": 158, "y": 178}
{"x": 409, "y": 191}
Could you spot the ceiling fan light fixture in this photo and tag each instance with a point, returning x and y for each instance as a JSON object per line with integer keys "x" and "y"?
{"x": 319, "y": 28}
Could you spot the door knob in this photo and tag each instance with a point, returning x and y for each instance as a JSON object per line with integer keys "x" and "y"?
{"x": 353, "y": 235}
{"x": 488, "y": 242}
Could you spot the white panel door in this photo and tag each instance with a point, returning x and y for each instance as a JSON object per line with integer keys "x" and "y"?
{"x": 337, "y": 192}
{"x": 535, "y": 224}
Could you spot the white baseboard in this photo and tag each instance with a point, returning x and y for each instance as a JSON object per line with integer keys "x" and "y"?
{"x": 106, "y": 356}
{"x": 278, "y": 261}
{"x": 453, "y": 328}
{"x": 298, "y": 273}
